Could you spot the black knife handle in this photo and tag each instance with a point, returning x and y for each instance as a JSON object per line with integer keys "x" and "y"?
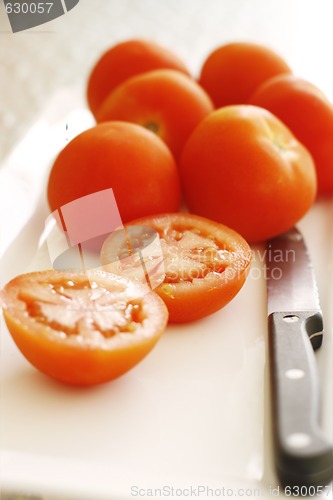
{"x": 303, "y": 455}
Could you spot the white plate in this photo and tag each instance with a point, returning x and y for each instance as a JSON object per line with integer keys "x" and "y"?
{"x": 194, "y": 413}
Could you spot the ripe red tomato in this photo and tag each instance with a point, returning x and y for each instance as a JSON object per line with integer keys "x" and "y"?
{"x": 82, "y": 328}
{"x": 205, "y": 263}
{"x": 130, "y": 159}
{"x": 233, "y": 71}
{"x": 124, "y": 60}
{"x": 165, "y": 101}
{"x": 308, "y": 114}
{"x": 244, "y": 168}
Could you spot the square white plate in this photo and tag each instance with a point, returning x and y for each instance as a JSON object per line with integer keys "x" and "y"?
{"x": 193, "y": 414}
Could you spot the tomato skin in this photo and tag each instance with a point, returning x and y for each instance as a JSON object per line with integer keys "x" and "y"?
{"x": 168, "y": 102}
{"x": 69, "y": 361}
{"x": 124, "y": 60}
{"x": 232, "y": 72}
{"x": 128, "y": 158}
{"x": 242, "y": 167}
{"x": 308, "y": 114}
{"x": 190, "y": 301}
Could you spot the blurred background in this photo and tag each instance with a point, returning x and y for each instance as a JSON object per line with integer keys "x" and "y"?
{"x": 36, "y": 63}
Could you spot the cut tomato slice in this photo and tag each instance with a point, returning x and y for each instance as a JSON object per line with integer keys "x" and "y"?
{"x": 205, "y": 263}
{"x": 82, "y": 328}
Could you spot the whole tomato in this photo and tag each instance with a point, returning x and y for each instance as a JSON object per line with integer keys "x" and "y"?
{"x": 308, "y": 114}
{"x": 130, "y": 159}
{"x": 243, "y": 167}
{"x": 124, "y": 60}
{"x": 165, "y": 101}
{"x": 232, "y": 72}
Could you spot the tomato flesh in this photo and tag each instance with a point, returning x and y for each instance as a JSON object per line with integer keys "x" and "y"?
{"x": 190, "y": 256}
{"x": 205, "y": 264}
{"x": 82, "y": 328}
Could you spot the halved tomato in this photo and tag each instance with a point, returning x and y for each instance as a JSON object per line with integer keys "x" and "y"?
{"x": 82, "y": 328}
{"x": 205, "y": 263}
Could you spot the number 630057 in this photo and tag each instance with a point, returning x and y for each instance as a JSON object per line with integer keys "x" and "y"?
{"x": 28, "y": 8}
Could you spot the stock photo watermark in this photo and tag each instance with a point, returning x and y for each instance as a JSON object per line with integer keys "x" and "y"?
{"x": 269, "y": 262}
{"x": 205, "y": 491}
{"x": 23, "y": 15}
{"x": 80, "y": 237}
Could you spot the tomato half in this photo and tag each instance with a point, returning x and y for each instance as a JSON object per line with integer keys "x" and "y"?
{"x": 82, "y": 328}
{"x": 205, "y": 263}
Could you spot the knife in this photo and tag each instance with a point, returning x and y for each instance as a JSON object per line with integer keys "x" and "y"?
{"x": 303, "y": 455}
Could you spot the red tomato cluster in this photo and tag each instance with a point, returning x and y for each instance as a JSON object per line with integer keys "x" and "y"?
{"x": 238, "y": 166}
{"x": 253, "y": 170}
{"x": 248, "y": 145}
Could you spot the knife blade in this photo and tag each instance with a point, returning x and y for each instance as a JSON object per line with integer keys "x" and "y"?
{"x": 303, "y": 455}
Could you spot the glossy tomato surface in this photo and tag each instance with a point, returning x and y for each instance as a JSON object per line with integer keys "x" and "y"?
{"x": 232, "y": 72}
{"x": 82, "y": 328}
{"x": 308, "y": 114}
{"x": 244, "y": 168}
{"x": 165, "y": 101}
{"x": 130, "y": 159}
{"x": 124, "y": 60}
{"x": 205, "y": 263}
